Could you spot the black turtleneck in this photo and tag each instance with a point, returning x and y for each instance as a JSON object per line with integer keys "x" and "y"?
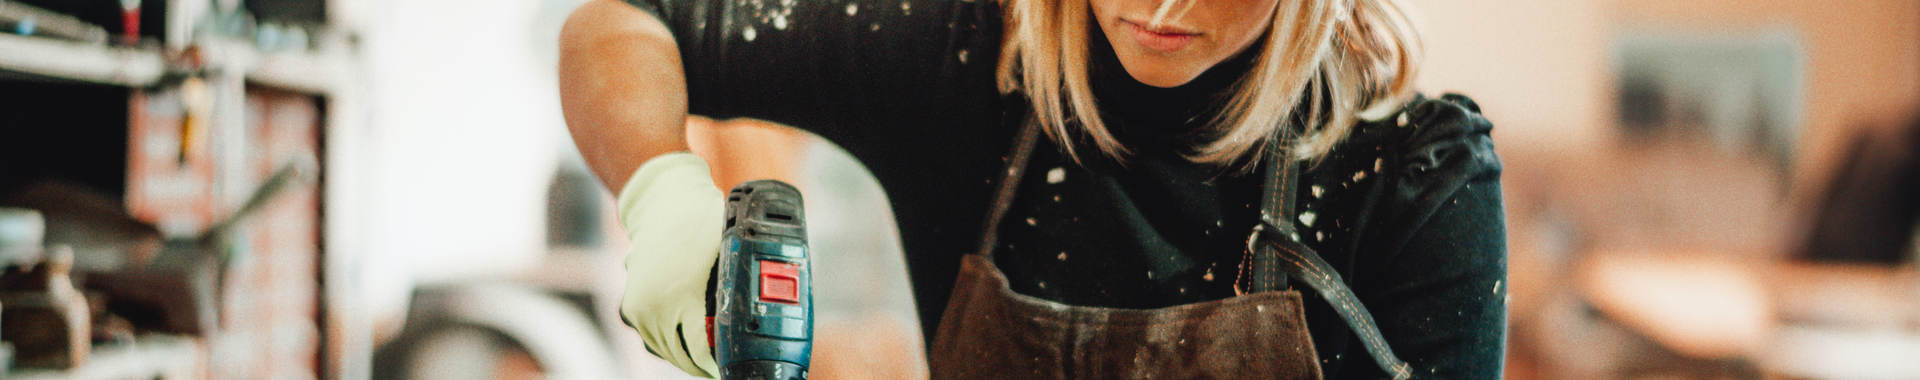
{"x": 1153, "y": 118}
{"x": 1152, "y": 230}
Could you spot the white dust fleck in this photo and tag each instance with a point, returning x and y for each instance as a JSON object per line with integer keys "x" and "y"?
{"x": 1062, "y": 256}
{"x": 1402, "y": 120}
{"x": 1307, "y": 217}
{"x": 748, "y": 34}
{"x": 906, "y": 7}
{"x": 1359, "y": 175}
{"x": 1056, "y": 175}
{"x": 874, "y": 28}
{"x": 963, "y": 55}
{"x": 773, "y": 12}
{"x": 1031, "y": 222}
{"x": 853, "y": 8}
{"x": 1318, "y": 191}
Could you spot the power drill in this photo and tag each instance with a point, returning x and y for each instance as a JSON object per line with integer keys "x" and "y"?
{"x": 762, "y": 322}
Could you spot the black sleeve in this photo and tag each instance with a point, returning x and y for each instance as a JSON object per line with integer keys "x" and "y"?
{"x": 1449, "y": 319}
{"x": 858, "y": 73}
{"x": 1441, "y": 297}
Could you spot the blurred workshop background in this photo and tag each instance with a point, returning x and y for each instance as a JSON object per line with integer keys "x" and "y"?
{"x": 348, "y": 189}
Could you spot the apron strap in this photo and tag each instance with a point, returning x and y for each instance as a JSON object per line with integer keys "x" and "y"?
{"x": 1306, "y": 266}
{"x": 1276, "y": 206}
{"x": 1023, "y": 142}
{"x": 1277, "y": 254}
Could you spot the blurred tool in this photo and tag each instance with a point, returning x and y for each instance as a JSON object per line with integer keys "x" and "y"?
{"x": 103, "y": 237}
{"x": 763, "y": 325}
{"x": 165, "y": 286}
{"x": 21, "y": 235}
{"x": 44, "y": 316}
{"x": 130, "y": 22}
{"x": 29, "y": 20}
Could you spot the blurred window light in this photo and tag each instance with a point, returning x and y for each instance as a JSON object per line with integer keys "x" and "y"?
{"x": 1742, "y": 92}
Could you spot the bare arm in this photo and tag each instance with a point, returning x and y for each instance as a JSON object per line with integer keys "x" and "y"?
{"x": 621, "y": 88}
{"x": 625, "y": 99}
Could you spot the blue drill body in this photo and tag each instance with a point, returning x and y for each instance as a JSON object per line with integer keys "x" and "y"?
{"x": 763, "y": 294}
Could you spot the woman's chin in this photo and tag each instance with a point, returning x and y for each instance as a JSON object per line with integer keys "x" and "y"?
{"x": 1160, "y": 74}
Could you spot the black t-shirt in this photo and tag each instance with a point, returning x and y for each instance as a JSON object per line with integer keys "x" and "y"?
{"x": 1410, "y": 215}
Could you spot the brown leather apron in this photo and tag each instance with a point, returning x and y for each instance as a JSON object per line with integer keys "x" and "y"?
{"x": 990, "y": 332}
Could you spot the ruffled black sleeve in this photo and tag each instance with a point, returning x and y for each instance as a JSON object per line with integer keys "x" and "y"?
{"x": 1446, "y": 310}
{"x": 1434, "y": 266}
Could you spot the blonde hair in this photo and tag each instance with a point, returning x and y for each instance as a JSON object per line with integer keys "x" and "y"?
{"x": 1347, "y": 60}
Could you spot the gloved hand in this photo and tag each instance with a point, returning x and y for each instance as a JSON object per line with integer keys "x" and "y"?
{"x": 673, "y": 215}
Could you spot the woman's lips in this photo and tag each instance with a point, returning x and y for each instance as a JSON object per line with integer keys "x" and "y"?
{"x": 1163, "y": 40}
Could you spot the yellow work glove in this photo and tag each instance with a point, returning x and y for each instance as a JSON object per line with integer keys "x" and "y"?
{"x": 673, "y": 215}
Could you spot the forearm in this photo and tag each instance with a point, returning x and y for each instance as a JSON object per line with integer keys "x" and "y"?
{"x": 622, "y": 88}
{"x": 741, "y": 150}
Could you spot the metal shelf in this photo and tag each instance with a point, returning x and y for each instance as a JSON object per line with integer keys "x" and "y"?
{"x": 315, "y": 72}
{"x": 80, "y": 61}
{"x": 148, "y": 357}
{"x": 305, "y": 72}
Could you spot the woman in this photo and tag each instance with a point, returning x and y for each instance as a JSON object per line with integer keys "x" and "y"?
{"x": 1134, "y": 164}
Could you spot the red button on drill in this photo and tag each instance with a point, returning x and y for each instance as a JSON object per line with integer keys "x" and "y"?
{"x": 779, "y": 282}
